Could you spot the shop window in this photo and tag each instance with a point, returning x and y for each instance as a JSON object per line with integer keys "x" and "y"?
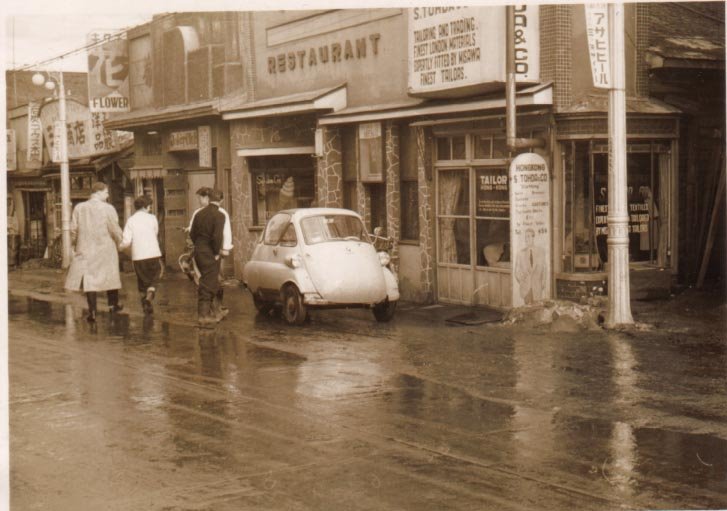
{"x": 585, "y": 245}
{"x": 409, "y": 186}
{"x": 378, "y": 205}
{"x": 451, "y": 148}
{"x": 454, "y": 220}
{"x": 281, "y": 183}
{"x": 492, "y": 213}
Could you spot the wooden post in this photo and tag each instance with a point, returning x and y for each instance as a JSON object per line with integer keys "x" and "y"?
{"x": 712, "y": 229}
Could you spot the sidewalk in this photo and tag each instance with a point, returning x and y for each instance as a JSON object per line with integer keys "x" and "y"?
{"x": 690, "y": 311}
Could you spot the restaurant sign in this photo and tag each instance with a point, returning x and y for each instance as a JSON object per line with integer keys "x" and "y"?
{"x": 454, "y": 48}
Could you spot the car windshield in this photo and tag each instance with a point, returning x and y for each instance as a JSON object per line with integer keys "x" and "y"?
{"x": 317, "y": 229}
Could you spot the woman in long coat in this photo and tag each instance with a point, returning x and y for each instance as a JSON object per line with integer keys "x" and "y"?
{"x": 95, "y": 236}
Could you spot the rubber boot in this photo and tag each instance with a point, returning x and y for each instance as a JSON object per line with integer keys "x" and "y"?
{"x": 113, "y": 300}
{"x": 146, "y": 304}
{"x": 91, "y": 300}
{"x": 204, "y": 317}
{"x": 218, "y": 311}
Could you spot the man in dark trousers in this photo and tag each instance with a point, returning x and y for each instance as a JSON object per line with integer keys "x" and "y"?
{"x": 206, "y": 234}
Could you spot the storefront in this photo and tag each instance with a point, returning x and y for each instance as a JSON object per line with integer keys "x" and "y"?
{"x": 652, "y": 195}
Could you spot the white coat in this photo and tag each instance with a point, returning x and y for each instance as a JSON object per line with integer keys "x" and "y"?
{"x": 95, "y": 234}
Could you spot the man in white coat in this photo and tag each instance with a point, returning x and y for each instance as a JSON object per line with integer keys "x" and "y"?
{"x": 140, "y": 233}
{"x": 95, "y": 235}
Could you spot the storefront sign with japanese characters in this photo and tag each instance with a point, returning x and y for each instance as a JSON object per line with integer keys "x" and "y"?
{"x": 456, "y": 47}
{"x": 85, "y": 131}
{"x": 371, "y": 152}
{"x": 598, "y": 49}
{"x": 12, "y": 160}
{"x": 204, "y": 140}
{"x": 530, "y": 229}
{"x": 108, "y": 73}
{"x": 183, "y": 140}
{"x": 34, "y": 157}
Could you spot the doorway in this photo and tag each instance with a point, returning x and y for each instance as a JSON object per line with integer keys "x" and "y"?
{"x": 36, "y": 238}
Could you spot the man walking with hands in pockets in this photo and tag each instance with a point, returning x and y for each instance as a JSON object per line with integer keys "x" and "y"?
{"x": 140, "y": 233}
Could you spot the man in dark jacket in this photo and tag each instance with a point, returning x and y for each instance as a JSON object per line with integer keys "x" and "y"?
{"x": 206, "y": 234}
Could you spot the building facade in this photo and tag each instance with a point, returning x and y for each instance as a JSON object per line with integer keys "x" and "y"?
{"x": 400, "y": 115}
{"x": 33, "y": 172}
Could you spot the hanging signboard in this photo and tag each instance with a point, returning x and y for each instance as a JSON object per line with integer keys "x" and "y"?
{"x": 85, "y": 131}
{"x": 371, "y": 152}
{"x": 204, "y": 141}
{"x": 530, "y": 229}
{"x": 12, "y": 160}
{"x": 493, "y": 198}
{"x": 598, "y": 49}
{"x": 34, "y": 156}
{"x": 183, "y": 140}
{"x": 108, "y": 73}
{"x": 463, "y": 48}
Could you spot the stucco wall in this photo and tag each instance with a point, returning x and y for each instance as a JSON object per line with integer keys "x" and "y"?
{"x": 294, "y": 57}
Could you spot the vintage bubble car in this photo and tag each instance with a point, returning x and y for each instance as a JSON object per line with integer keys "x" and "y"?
{"x": 319, "y": 258}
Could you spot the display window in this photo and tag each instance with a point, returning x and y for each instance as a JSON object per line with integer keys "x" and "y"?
{"x": 281, "y": 183}
{"x": 585, "y": 247}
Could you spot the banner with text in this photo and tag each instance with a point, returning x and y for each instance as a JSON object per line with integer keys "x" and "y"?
{"x": 464, "y": 47}
{"x": 84, "y": 131}
{"x": 12, "y": 160}
{"x": 598, "y": 48}
{"x": 108, "y": 73}
{"x": 34, "y": 156}
{"x": 530, "y": 229}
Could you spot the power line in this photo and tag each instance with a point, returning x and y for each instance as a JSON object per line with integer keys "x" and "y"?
{"x": 113, "y": 36}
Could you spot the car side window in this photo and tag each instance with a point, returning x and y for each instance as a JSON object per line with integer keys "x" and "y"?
{"x": 289, "y": 239}
{"x": 274, "y": 229}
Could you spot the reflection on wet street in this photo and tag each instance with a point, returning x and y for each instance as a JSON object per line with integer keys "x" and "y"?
{"x": 140, "y": 412}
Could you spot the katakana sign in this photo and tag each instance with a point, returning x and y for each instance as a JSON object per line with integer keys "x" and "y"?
{"x": 34, "y": 156}
{"x": 598, "y": 47}
{"x": 108, "y": 73}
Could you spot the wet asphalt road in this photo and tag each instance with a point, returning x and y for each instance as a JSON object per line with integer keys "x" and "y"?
{"x": 344, "y": 413}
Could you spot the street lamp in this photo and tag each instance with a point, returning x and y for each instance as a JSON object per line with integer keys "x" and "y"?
{"x": 62, "y": 140}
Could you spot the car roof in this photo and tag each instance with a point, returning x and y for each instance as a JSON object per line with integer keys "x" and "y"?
{"x": 306, "y": 212}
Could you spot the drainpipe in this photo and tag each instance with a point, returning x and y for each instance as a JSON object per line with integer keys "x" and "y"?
{"x": 514, "y": 143}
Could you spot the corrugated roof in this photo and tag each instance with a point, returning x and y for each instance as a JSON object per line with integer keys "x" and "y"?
{"x": 598, "y": 103}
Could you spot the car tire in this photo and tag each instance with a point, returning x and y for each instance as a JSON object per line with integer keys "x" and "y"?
{"x": 294, "y": 310}
{"x": 384, "y": 311}
{"x": 262, "y": 306}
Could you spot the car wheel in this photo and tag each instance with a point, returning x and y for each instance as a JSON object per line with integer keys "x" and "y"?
{"x": 294, "y": 310}
{"x": 261, "y": 305}
{"x": 384, "y": 311}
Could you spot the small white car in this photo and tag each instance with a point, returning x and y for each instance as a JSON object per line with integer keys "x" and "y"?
{"x": 319, "y": 258}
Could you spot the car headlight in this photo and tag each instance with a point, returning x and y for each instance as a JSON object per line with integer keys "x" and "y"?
{"x": 293, "y": 261}
{"x": 385, "y": 258}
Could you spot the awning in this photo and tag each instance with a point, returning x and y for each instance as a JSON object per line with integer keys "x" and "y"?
{"x": 686, "y": 53}
{"x": 151, "y": 172}
{"x": 322, "y": 100}
{"x": 150, "y": 116}
{"x": 541, "y": 95}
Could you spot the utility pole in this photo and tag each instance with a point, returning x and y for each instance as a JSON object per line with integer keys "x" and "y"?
{"x": 619, "y": 294}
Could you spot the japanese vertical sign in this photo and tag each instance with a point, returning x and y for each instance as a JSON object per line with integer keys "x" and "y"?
{"x": 530, "y": 229}
{"x": 598, "y": 47}
{"x": 34, "y": 157}
{"x": 12, "y": 160}
{"x": 84, "y": 131}
{"x": 371, "y": 152}
{"x": 108, "y": 73}
{"x": 204, "y": 146}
